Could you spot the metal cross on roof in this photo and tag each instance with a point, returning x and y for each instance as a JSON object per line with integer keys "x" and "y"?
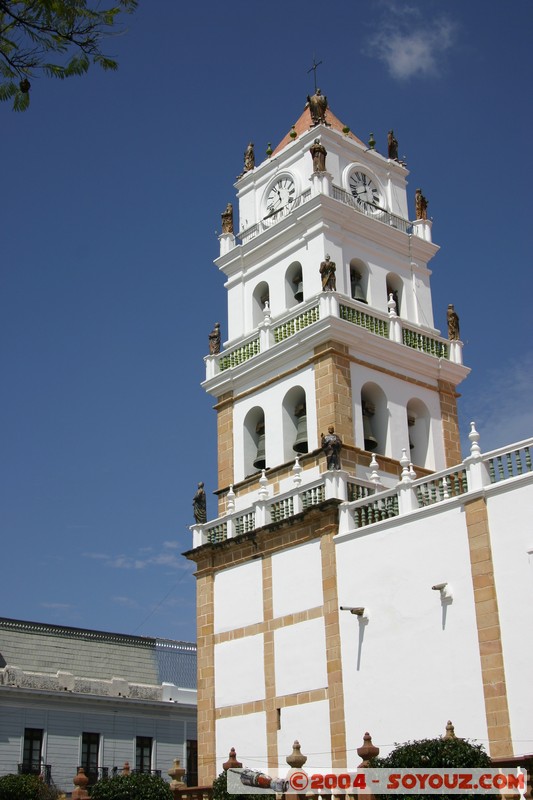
{"x": 313, "y": 69}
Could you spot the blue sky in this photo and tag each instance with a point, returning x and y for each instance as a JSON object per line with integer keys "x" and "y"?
{"x": 112, "y": 189}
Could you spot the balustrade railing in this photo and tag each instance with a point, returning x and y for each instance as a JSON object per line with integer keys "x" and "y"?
{"x": 433, "y": 490}
{"x": 297, "y": 323}
{"x": 272, "y": 219}
{"x": 509, "y": 463}
{"x": 364, "y": 320}
{"x": 364, "y": 506}
{"x": 424, "y": 343}
{"x": 232, "y": 358}
{"x": 373, "y": 211}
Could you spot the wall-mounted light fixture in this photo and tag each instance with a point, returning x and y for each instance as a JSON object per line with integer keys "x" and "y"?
{"x": 445, "y": 591}
{"x": 358, "y": 611}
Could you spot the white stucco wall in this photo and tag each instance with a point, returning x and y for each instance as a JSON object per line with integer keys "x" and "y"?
{"x": 238, "y": 596}
{"x": 511, "y": 532}
{"x": 239, "y": 671}
{"x": 297, "y": 579}
{"x": 300, "y": 657}
{"x": 416, "y": 663}
{"x": 309, "y": 723}
{"x": 247, "y": 734}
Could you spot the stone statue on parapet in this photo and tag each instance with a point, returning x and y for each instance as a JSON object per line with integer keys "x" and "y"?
{"x": 249, "y": 157}
{"x": 453, "y": 323}
{"x": 199, "y": 505}
{"x": 331, "y": 444}
{"x": 392, "y": 144}
{"x": 214, "y": 340}
{"x": 227, "y": 219}
{"x": 327, "y": 274}
{"x": 318, "y": 154}
{"x": 318, "y": 105}
{"x": 421, "y": 205}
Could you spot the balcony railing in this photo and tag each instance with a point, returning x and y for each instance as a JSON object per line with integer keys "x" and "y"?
{"x": 273, "y": 219}
{"x": 33, "y": 768}
{"x": 373, "y": 211}
{"x": 318, "y": 308}
{"x": 362, "y": 504}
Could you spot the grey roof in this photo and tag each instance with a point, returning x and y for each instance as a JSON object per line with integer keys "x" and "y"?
{"x": 39, "y": 647}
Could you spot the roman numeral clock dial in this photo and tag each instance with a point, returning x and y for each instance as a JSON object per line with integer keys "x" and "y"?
{"x": 281, "y": 195}
{"x": 365, "y": 192}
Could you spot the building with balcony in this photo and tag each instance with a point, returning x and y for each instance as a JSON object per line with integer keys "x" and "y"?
{"x": 388, "y": 591}
{"x": 71, "y": 697}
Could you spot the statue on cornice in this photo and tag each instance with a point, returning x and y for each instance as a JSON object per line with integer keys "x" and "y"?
{"x": 199, "y": 505}
{"x": 227, "y": 219}
{"x": 453, "y": 323}
{"x": 318, "y": 105}
{"x": 318, "y": 154}
{"x": 249, "y": 157}
{"x": 214, "y": 340}
{"x": 327, "y": 274}
{"x": 392, "y": 143}
{"x": 331, "y": 445}
{"x": 421, "y": 205}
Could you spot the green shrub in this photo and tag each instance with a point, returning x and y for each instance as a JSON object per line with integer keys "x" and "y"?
{"x": 138, "y": 786}
{"x": 25, "y": 787}
{"x": 436, "y": 753}
{"x": 220, "y": 789}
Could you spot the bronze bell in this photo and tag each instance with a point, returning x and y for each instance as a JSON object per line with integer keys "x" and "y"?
{"x": 370, "y": 440}
{"x": 300, "y": 443}
{"x": 299, "y": 290}
{"x": 357, "y": 289}
{"x": 260, "y": 459}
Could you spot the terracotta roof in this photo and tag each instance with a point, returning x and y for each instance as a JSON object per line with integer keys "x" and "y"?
{"x": 305, "y": 123}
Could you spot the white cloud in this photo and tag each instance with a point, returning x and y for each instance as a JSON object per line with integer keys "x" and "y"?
{"x": 409, "y": 45}
{"x": 141, "y": 559}
{"x": 502, "y": 408}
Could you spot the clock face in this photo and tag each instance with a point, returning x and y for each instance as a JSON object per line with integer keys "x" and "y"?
{"x": 281, "y": 195}
{"x": 365, "y": 191}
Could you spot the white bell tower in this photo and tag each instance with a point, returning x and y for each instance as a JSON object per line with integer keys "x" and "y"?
{"x": 360, "y": 352}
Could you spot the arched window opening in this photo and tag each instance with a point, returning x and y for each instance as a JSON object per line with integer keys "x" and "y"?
{"x": 261, "y": 296}
{"x": 358, "y": 280}
{"x": 418, "y": 425}
{"x": 295, "y": 438}
{"x": 375, "y": 418}
{"x": 294, "y": 285}
{"x": 395, "y": 288}
{"x": 254, "y": 441}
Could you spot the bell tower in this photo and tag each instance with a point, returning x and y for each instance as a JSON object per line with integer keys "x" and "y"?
{"x": 330, "y": 328}
{"x": 330, "y": 319}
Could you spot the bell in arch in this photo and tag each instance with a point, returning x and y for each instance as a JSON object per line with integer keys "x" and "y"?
{"x": 370, "y": 440}
{"x": 357, "y": 289}
{"x": 260, "y": 458}
{"x": 299, "y": 287}
{"x": 300, "y": 443}
{"x": 410, "y": 424}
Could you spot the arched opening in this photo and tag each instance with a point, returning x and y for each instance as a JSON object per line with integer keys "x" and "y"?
{"x": 294, "y": 421}
{"x": 261, "y": 296}
{"x": 418, "y": 424}
{"x": 294, "y": 285}
{"x": 254, "y": 441}
{"x": 395, "y": 288}
{"x": 358, "y": 280}
{"x": 375, "y": 419}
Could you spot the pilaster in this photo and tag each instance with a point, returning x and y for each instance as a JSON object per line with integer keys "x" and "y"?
{"x": 206, "y": 679}
{"x": 334, "y": 390}
{"x": 224, "y": 408}
{"x": 450, "y": 423}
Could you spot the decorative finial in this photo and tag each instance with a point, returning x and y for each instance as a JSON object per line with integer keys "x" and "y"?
{"x": 297, "y": 471}
{"x": 293, "y": 133}
{"x": 391, "y": 305}
{"x": 345, "y": 130}
{"x": 313, "y": 69}
{"x": 232, "y": 761}
{"x": 404, "y": 461}
{"x": 371, "y": 142}
{"x": 450, "y": 731}
{"x": 374, "y": 466}
{"x": 475, "y": 449}
{"x": 230, "y": 500}
{"x": 412, "y": 473}
{"x": 296, "y": 760}
{"x": 263, "y": 486}
{"x": 269, "y": 150}
{"x": 367, "y": 751}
